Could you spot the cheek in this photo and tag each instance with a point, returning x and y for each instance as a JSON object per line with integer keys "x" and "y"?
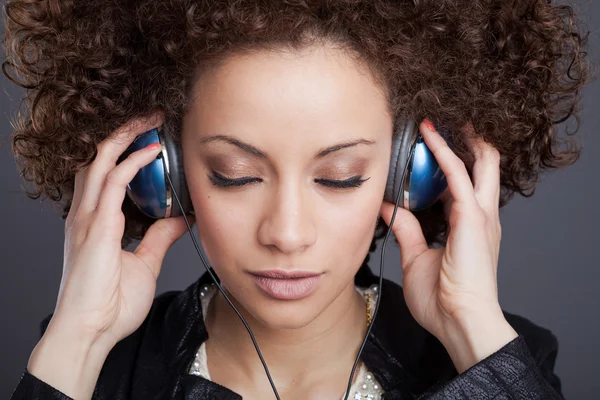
{"x": 224, "y": 229}
{"x": 347, "y": 227}
{"x": 221, "y": 229}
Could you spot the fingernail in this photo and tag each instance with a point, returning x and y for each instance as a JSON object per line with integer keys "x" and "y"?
{"x": 153, "y": 146}
{"x": 429, "y": 125}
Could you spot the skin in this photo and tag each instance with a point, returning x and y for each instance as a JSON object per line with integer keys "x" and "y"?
{"x": 291, "y": 106}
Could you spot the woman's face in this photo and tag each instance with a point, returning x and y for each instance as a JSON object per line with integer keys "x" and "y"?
{"x": 271, "y": 144}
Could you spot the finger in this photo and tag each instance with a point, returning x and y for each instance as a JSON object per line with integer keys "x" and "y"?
{"x": 109, "y": 151}
{"x": 79, "y": 183}
{"x": 158, "y": 239}
{"x": 115, "y": 184}
{"x": 408, "y": 232}
{"x": 459, "y": 182}
{"x": 447, "y": 200}
{"x": 486, "y": 173}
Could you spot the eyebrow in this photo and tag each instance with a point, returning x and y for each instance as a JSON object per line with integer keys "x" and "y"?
{"x": 256, "y": 152}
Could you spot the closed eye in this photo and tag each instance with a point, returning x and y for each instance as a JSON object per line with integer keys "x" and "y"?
{"x": 219, "y": 180}
{"x": 353, "y": 182}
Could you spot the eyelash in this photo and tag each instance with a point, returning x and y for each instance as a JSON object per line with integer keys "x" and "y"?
{"x": 219, "y": 180}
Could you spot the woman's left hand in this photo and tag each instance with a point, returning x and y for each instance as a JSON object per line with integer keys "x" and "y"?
{"x": 452, "y": 291}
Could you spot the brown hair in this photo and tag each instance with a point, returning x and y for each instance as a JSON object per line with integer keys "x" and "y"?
{"x": 513, "y": 69}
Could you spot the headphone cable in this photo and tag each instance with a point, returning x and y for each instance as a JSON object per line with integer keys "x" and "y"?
{"x": 262, "y": 360}
{"x": 244, "y": 321}
{"x": 380, "y": 291}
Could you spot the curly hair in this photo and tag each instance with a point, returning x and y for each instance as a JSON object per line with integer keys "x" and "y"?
{"x": 512, "y": 70}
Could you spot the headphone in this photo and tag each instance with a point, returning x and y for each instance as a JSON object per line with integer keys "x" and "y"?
{"x": 413, "y": 171}
{"x": 415, "y": 181}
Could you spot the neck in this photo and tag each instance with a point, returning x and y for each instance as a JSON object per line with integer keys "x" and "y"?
{"x": 324, "y": 349}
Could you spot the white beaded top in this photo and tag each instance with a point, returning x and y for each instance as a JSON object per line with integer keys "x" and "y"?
{"x": 365, "y": 386}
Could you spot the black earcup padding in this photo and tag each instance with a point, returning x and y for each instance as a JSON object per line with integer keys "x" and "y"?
{"x": 175, "y": 160}
{"x": 401, "y": 148}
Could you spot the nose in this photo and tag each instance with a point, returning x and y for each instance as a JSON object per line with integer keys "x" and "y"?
{"x": 287, "y": 224}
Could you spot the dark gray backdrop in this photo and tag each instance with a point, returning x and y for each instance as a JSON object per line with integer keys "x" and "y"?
{"x": 549, "y": 270}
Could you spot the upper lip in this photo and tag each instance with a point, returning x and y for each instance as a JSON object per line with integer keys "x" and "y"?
{"x": 282, "y": 274}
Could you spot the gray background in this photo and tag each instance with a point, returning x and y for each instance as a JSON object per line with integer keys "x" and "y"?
{"x": 549, "y": 270}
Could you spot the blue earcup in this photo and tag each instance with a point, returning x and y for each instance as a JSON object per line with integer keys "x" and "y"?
{"x": 150, "y": 189}
{"x": 413, "y": 170}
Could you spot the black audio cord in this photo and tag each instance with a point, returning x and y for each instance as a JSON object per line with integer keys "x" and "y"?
{"x": 244, "y": 321}
{"x": 262, "y": 360}
{"x": 380, "y": 291}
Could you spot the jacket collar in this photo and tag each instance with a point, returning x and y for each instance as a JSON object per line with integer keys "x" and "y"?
{"x": 404, "y": 358}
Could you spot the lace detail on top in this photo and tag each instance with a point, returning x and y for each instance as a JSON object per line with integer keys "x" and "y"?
{"x": 364, "y": 387}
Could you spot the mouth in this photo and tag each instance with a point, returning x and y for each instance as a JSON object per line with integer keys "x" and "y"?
{"x": 286, "y": 285}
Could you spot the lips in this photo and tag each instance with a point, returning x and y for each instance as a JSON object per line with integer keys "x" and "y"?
{"x": 286, "y": 285}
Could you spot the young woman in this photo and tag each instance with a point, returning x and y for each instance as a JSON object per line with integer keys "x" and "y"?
{"x": 285, "y": 113}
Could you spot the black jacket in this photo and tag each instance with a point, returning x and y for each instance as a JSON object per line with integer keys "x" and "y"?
{"x": 408, "y": 362}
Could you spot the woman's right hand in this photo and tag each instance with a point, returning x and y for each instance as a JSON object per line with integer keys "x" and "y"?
{"x": 105, "y": 292}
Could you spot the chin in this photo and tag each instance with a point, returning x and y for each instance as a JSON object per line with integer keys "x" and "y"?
{"x": 285, "y": 314}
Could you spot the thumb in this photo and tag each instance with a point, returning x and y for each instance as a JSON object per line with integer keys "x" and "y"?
{"x": 159, "y": 238}
{"x": 408, "y": 232}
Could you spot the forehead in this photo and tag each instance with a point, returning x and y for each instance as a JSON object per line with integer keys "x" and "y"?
{"x": 305, "y": 97}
